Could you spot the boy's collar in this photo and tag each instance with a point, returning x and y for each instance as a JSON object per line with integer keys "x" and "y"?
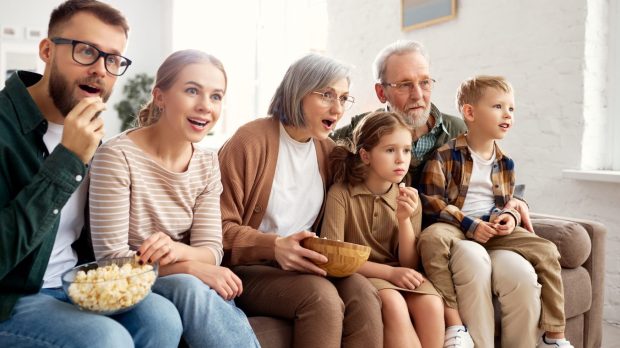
{"x": 461, "y": 145}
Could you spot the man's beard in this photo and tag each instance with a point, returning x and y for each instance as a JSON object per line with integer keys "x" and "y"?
{"x": 417, "y": 121}
{"x": 61, "y": 90}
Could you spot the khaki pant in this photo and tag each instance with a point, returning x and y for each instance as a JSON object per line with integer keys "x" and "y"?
{"x": 326, "y": 312}
{"x": 436, "y": 242}
{"x": 477, "y": 276}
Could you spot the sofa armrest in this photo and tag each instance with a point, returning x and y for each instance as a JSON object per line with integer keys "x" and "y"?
{"x": 595, "y": 265}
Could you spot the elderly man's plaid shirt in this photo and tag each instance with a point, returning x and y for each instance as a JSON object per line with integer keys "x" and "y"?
{"x": 445, "y": 182}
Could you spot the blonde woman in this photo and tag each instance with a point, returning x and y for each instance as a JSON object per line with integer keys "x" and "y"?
{"x": 155, "y": 195}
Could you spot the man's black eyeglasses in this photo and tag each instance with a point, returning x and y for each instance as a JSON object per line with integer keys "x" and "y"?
{"x": 87, "y": 54}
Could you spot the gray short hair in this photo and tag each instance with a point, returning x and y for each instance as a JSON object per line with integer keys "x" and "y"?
{"x": 398, "y": 47}
{"x": 310, "y": 73}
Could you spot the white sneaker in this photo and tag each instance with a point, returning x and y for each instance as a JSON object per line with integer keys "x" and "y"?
{"x": 458, "y": 337}
{"x": 563, "y": 343}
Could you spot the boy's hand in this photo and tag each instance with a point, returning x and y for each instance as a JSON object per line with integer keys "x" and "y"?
{"x": 504, "y": 224}
{"x": 406, "y": 278}
{"x": 406, "y": 202}
{"x": 484, "y": 231}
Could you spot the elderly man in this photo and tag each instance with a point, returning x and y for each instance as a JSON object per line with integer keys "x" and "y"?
{"x": 403, "y": 81}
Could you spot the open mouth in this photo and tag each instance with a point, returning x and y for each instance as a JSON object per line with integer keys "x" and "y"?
{"x": 504, "y": 125}
{"x": 328, "y": 123}
{"x": 198, "y": 122}
{"x": 90, "y": 89}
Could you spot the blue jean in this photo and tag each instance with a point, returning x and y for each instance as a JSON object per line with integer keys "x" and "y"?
{"x": 47, "y": 319}
{"x": 208, "y": 319}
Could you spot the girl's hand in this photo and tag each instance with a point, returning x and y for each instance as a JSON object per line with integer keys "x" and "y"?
{"x": 405, "y": 277}
{"x": 221, "y": 279}
{"x": 407, "y": 202}
{"x": 291, "y": 256}
{"x": 504, "y": 224}
{"x": 158, "y": 247}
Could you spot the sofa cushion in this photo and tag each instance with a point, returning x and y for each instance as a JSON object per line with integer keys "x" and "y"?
{"x": 577, "y": 291}
{"x": 570, "y": 237}
{"x": 272, "y": 332}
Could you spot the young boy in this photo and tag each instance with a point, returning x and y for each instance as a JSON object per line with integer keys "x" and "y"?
{"x": 464, "y": 188}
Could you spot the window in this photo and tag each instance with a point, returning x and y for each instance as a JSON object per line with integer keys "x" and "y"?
{"x": 256, "y": 41}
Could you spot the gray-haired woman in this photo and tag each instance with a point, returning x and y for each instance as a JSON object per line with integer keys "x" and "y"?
{"x": 275, "y": 177}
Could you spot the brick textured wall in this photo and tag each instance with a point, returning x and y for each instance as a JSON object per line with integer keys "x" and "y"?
{"x": 540, "y": 46}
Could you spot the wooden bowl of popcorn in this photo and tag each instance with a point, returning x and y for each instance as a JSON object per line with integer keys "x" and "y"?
{"x": 110, "y": 286}
{"x": 343, "y": 259}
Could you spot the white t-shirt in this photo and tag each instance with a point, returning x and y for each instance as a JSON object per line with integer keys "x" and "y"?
{"x": 63, "y": 257}
{"x": 479, "y": 200}
{"x": 297, "y": 191}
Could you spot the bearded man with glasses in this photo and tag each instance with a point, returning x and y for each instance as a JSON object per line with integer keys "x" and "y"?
{"x": 49, "y": 131}
{"x": 403, "y": 81}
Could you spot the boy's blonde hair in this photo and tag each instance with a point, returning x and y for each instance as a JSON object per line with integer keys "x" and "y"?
{"x": 471, "y": 90}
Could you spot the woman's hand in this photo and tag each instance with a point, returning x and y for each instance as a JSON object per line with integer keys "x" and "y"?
{"x": 291, "y": 256}
{"x": 159, "y": 247}
{"x": 405, "y": 277}
{"x": 221, "y": 279}
{"x": 407, "y": 202}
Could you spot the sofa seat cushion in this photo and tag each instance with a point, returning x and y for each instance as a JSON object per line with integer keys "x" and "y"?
{"x": 570, "y": 237}
{"x": 272, "y": 332}
{"x": 577, "y": 291}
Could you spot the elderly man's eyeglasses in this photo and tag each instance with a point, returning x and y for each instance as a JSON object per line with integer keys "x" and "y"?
{"x": 328, "y": 98}
{"x": 87, "y": 54}
{"x": 407, "y": 86}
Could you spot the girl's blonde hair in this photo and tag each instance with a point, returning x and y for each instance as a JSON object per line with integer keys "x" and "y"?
{"x": 345, "y": 162}
{"x": 167, "y": 74}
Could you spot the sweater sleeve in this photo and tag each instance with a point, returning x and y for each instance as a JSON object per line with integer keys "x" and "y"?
{"x": 109, "y": 194}
{"x": 206, "y": 228}
{"x": 243, "y": 243}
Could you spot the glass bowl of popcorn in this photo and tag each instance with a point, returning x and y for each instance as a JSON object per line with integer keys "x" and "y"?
{"x": 110, "y": 286}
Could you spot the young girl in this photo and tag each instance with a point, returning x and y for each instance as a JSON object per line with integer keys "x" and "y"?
{"x": 366, "y": 206}
{"x": 155, "y": 195}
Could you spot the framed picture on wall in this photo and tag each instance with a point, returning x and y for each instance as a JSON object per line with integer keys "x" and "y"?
{"x": 422, "y": 13}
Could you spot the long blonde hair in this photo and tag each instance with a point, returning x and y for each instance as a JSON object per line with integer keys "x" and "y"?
{"x": 167, "y": 74}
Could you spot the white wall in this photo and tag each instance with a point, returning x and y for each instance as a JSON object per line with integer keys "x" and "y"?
{"x": 540, "y": 47}
{"x": 149, "y": 37}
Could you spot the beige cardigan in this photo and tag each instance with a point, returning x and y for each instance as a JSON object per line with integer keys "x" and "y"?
{"x": 248, "y": 163}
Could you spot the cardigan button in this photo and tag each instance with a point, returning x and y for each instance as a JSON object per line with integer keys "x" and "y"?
{"x": 258, "y": 209}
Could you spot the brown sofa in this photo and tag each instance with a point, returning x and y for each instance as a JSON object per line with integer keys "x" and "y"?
{"x": 582, "y": 246}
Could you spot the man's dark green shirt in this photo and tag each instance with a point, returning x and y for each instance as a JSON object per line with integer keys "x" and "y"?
{"x": 451, "y": 128}
{"x": 34, "y": 186}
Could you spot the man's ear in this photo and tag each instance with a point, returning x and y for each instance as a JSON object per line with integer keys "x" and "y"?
{"x": 380, "y": 90}
{"x": 364, "y": 156}
{"x": 468, "y": 112}
{"x": 45, "y": 50}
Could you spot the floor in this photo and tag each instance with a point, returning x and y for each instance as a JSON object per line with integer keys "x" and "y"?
{"x": 611, "y": 335}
